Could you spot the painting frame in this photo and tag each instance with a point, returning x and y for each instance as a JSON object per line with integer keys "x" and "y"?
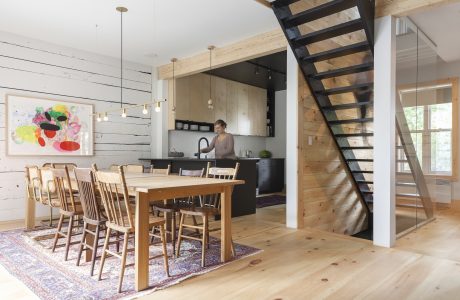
{"x": 88, "y": 130}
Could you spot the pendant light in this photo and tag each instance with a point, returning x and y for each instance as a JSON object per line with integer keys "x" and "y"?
{"x": 173, "y": 60}
{"x": 210, "y": 102}
{"x": 103, "y": 116}
{"x": 145, "y": 110}
{"x": 158, "y": 107}
{"x": 122, "y": 10}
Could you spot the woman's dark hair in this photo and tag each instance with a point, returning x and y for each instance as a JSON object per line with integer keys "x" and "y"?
{"x": 221, "y": 123}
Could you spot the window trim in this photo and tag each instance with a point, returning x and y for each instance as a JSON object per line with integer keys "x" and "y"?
{"x": 455, "y": 112}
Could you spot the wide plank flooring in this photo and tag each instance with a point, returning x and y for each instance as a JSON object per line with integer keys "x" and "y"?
{"x": 311, "y": 264}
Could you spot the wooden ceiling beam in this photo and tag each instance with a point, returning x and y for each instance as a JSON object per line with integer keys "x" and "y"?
{"x": 264, "y": 3}
{"x": 274, "y": 41}
{"x": 405, "y": 7}
{"x": 257, "y": 46}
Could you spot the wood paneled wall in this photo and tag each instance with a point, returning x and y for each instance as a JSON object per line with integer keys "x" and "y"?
{"x": 330, "y": 202}
{"x": 33, "y": 68}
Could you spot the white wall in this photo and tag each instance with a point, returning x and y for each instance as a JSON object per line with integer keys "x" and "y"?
{"x": 33, "y": 68}
{"x": 187, "y": 141}
{"x": 440, "y": 70}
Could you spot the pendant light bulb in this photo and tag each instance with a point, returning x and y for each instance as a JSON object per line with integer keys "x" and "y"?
{"x": 123, "y": 113}
{"x": 98, "y": 118}
{"x": 157, "y": 107}
{"x": 106, "y": 117}
{"x": 145, "y": 110}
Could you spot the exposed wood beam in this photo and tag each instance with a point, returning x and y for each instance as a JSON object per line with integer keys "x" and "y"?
{"x": 257, "y": 46}
{"x": 406, "y": 7}
{"x": 264, "y": 3}
{"x": 275, "y": 41}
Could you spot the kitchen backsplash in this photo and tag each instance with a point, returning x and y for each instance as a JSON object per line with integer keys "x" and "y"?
{"x": 187, "y": 142}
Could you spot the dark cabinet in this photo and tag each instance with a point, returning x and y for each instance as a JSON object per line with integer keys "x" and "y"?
{"x": 270, "y": 175}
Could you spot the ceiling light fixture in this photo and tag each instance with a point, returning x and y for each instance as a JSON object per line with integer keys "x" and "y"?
{"x": 269, "y": 74}
{"x": 123, "y": 109}
{"x": 210, "y": 102}
{"x": 145, "y": 110}
{"x": 157, "y": 107}
{"x": 173, "y": 60}
{"x": 122, "y": 10}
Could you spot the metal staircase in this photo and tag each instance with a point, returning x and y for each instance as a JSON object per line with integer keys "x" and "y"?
{"x": 300, "y": 45}
{"x": 293, "y": 24}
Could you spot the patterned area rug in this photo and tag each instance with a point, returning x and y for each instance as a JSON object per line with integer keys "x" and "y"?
{"x": 270, "y": 200}
{"x": 50, "y": 277}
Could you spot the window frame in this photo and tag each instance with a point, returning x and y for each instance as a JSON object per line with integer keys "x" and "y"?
{"x": 426, "y": 131}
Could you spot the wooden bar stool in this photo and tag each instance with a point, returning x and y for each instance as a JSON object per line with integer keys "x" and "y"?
{"x": 68, "y": 208}
{"x": 210, "y": 207}
{"x": 92, "y": 216}
{"x": 174, "y": 207}
{"x": 120, "y": 218}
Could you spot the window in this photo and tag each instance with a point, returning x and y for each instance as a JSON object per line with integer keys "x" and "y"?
{"x": 431, "y": 113}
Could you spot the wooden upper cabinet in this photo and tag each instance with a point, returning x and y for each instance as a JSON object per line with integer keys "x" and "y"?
{"x": 242, "y": 106}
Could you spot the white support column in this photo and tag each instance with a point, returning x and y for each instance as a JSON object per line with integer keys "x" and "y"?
{"x": 159, "y": 121}
{"x": 292, "y": 194}
{"x": 384, "y": 131}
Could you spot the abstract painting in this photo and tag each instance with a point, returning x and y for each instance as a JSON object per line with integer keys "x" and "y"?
{"x": 48, "y": 127}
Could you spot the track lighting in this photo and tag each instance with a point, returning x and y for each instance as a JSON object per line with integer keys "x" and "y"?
{"x": 157, "y": 107}
{"x": 123, "y": 113}
{"x": 145, "y": 110}
{"x": 99, "y": 118}
{"x": 106, "y": 117}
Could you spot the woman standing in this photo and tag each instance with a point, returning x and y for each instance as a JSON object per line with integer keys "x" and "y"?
{"x": 222, "y": 143}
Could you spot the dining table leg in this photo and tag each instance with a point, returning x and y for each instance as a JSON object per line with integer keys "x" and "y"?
{"x": 226, "y": 224}
{"x": 30, "y": 212}
{"x": 141, "y": 259}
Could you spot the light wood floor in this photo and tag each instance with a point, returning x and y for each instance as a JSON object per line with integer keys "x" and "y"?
{"x": 310, "y": 264}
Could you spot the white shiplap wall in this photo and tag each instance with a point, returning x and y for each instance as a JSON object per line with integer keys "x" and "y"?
{"x": 34, "y": 68}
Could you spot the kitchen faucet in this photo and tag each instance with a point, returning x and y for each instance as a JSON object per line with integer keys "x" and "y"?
{"x": 199, "y": 143}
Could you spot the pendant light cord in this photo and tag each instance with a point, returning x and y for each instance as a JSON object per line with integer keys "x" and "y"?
{"x": 210, "y": 68}
{"x": 121, "y": 59}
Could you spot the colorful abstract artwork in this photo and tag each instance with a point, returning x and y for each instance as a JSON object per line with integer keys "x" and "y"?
{"x": 47, "y": 127}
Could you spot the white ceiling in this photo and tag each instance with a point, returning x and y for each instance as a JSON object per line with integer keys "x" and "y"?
{"x": 442, "y": 26}
{"x": 168, "y": 28}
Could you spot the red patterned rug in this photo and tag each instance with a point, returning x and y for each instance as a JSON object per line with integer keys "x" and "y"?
{"x": 50, "y": 277}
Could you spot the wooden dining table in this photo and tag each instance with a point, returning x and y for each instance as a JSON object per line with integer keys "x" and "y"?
{"x": 152, "y": 187}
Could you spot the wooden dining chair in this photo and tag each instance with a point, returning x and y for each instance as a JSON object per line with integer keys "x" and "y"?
{"x": 120, "y": 217}
{"x": 133, "y": 168}
{"x": 68, "y": 207}
{"x": 93, "y": 220}
{"x": 173, "y": 206}
{"x": 159, "y": 171}
{"x": 114, "y": 168}
{"x": 210, "y": 207}
{"x": 47, "y": 191}
{"x": 70, "y": 166}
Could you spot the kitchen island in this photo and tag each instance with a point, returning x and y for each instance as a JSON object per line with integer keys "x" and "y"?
{"x": 243, "y": 197}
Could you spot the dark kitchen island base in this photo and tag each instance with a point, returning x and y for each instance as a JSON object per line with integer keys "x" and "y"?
{"x": 243, "y": 197}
